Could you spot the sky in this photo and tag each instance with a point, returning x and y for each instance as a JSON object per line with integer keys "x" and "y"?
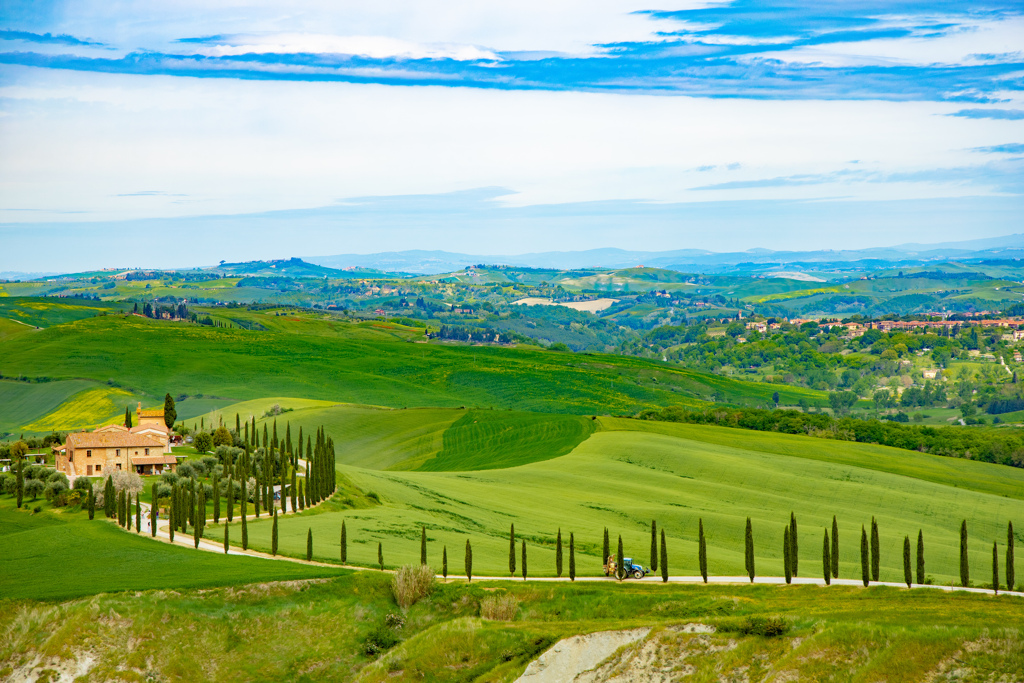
{"x": 171, "y": 134}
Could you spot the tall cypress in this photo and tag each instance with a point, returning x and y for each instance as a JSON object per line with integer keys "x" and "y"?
{"x": 171, "y": 519}
{"x": 572, "y": 557}
{"x": 787, "y": 552}
{"x": 865, "y": 565}
{"x": 230, "y": 498}
{"x": 664, "y": 558}
{"x": 195, "y": 534}
{"x": 423, "y": 545}
{"x": 875, "y": 550}
{"x": 295, "y": 498}
{"x": 794, "y": 546}
{"x": 558, "y": 554}
{"x": 242, "y": 511}
{"x": 907, "y": 576}
{"x": 702, "y": 551}
{"x": 1011, "y": 575}
{"x": 128, "y": 417}
{"x": 90, "y": 503}
{"x": 226, "y": 545}
{"x": 273, "y": 536}
{"x": 344, "y": 543}
{"x": 109, "y": 498}
{"x": 302, "y": 497}
{"x": 380, "y": 556}
{"x": 920, "y": 556}
{"x": 153, "y": 514}
{"x": 606, "y": 550}
{"x": 216, "y": 499}
{"x": 995, "y": 567}
{"x": 826, "y": 561}
{"x": 444, "y": 562}
{"x": 835, "y": 548}
{"x": 512, "y": 550}
{"x": 138, "y": 514}
{"x": 965, "y": 571}
{"x": 654, "y": 546}
{"x": 309, "y": 541}
{"x": 524, "y": 559}
{"x": 749, "y": 550}
{"x": 469, "y": 561}
{"x": 620, "y": 568}
{"x": 19, "y": 484}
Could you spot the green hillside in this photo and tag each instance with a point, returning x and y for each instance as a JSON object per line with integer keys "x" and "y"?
{"x": 24, "y": 402}
{"x": 361, "y": 363}
{"x": 623, "y": 479}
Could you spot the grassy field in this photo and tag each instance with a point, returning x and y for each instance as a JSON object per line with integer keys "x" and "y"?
{"x": 60, "y": 555}
{"x": 317, "y": 630}
{"x": 48, "y": 312}
{"x": 623, "y": 478}
{"x": 91, "y": 407}
{"x": 24, "y": 402}
{"x": 369, "y": 366}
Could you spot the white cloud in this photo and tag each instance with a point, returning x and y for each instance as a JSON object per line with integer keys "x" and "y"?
{"x": 376, "y": 47}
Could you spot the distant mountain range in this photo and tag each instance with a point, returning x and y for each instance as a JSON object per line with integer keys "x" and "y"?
{"x": 691, "y": 260}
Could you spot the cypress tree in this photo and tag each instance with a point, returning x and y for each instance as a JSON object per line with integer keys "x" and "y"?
{"x": 558, "y": 554}
{"x": 826, "y": 561}
{"x": 127, "y": 417}
{"x": 238, "y": 425}
{"x": 423, "y": 545}
{"x": 295, "y": 497}
{"x": 245, "y": 436}
{"x": 469, "y": 561}
{"x": 965, "y": 571}
{"x": 702, "y": 551}
{"x": 109, "y": 498}
{"x": 572, "y": 557}
{"x": 138, "y": 514}
{"x": 20, "y": 485}
{"x": 524, "y": 559}
{"x": 749, "y": 550}
{"x": 907, "y": 575}
{"x": 875, "y": 550}
{"x": 242, "y": 511}
{"x": 120, "y": 509}
{"x": 607, "y": 550}
{"x": 512, "y": 550}
{"x": 302, "y": 497}
{"x": 794, "y": 546}
{"x": 444, "y": 562}
{"x": 835, "y": 548}
{"x": 380, "y": 556}
{"x": 216, "y": 499}
{"x": 787, "y": 552}
{"x": 171, "y": 520}
{"x": 91, "y": 504}
{"x": 1011, "y": 576}
{"x": 153, "y": 513}
{"x": 309, "y": 542}
{"x": 231, "y": 498}
{"x": 664, "y": 558}
{"x": 226, "y": 546}
{"x": 620, "y": 568}
{"x": 995, "y": 567}
{"x": 192, "y": 512}
{"x": 654, "y": 546}
{"x": 273, "y": 536}
{"x": 344, "y": 543}
{"x": 170, "y": 414}
{"x": 195, "y": 534}
{"x": 865, "y": 567}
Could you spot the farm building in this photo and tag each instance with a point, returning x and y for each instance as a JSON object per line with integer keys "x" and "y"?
{"x": 114, "y": 448}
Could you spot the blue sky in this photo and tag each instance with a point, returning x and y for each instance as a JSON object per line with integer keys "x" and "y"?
{"x": 263, "y": 129}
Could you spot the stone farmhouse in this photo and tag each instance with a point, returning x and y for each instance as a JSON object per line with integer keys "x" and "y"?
{"x": 145, "y": 448}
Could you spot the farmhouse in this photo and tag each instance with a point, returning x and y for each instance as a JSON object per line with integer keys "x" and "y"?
{"x": 107, "y": 450}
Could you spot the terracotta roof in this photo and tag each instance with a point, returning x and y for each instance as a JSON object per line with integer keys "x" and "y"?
{"x": 153, "y": 460}
{"x": 156, "y": 428}
{"x": 110, "y": 440}
{"x": 112, "y": 428}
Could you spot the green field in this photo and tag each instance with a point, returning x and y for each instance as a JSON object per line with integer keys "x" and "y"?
{"x": 366, "y": 363}
{"x": 24, "y": 402}
{"x": 631, "y": 472}
{"x": 47, "y": 312}
{"x": 53, "y": 555}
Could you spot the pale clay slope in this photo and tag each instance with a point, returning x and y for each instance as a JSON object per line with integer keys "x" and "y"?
{"x": 570, "y": 657}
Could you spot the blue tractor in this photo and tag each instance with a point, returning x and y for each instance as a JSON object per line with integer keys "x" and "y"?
{"x": 630, "y": 569}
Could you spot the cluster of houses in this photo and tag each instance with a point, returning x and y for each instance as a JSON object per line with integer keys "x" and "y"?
{"x": 144, "y": 448}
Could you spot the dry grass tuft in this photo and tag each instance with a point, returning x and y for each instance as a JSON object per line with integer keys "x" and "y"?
{"x": 499, "y": 607}
{"x": 411, "y": 583}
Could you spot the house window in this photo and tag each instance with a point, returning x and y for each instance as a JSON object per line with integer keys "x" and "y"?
{"x": 118, "y": 465}
{"x": 71, "y": 458}
{"x": 99, "y": 468}
{"x": 117, "y": 452}
{"x": 88, "y": 454}
{"x": 147, "y": 451}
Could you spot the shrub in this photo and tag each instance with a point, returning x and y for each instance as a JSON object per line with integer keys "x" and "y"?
{"x": 127, "y": 481}
{"x": 210, "y": 462}
{"x": 202, "y": 442}
{"x": 187, "y": 471}
{"x": 8, "y": 482}
{"x": 54, "y": 489}
{"x": 98, "y": 493}
{"x": 82, "y": 484}
{"x": 764, "y": 626}
{"x": 412, "y": 583}
{"x": 499, "y": 607}
{"x": 34, "y": 487}
{"x": 54, "y": 477}
{"x": 381, "y": 638}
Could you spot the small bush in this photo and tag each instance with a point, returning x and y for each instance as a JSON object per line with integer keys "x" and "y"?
{"x": 380, "y": 639}
{"x": 499, "y": 607}
{"x": 411, "y": 583}
{"x": 170, "y": 478}
{"x": 373, "y": 496}
{"x": 764, "y": 626}
{"x": 187, "y": 471}
{"x": 37, "y": 509}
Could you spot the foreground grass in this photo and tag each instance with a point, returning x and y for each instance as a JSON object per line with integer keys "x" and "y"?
{"x": 317, "y": 630}
{"x": 59, "y": 555}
